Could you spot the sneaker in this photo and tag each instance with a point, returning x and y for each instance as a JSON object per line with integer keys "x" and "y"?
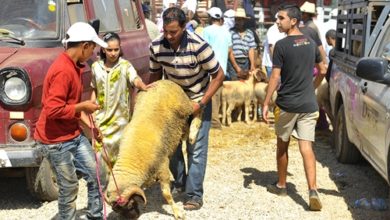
{"x": 275, "y": 189}
{"x": 314, "y": 201}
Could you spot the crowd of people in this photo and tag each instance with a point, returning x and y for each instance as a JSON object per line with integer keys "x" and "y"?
{"x": 198, "y": 60}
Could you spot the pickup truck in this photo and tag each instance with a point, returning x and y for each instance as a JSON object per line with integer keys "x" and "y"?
{"x": 359, "y": 84}
{"x": 31, "y": 32}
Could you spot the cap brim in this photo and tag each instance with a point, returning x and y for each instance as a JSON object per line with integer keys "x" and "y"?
{"x": 100, "y": 42}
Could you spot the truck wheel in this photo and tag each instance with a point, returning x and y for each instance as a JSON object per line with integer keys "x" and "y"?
{"x": 42, "y": 181}
{"x": 346, "y": 152}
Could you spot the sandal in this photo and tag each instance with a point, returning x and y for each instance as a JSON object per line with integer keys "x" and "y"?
{"x": 192, "y": 205}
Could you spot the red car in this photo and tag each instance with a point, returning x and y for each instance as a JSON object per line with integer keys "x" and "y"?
{"x": 31, "y": 32}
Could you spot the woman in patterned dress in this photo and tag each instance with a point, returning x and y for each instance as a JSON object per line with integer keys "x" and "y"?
{"x": 113, "y": 79}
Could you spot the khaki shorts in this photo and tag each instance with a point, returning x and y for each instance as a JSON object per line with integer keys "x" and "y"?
{"x": 299, "y": 125}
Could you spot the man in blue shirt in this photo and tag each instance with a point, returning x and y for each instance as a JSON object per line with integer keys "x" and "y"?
{"x": 220, "y": 41}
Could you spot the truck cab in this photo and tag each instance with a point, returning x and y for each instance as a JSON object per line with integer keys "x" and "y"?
{"x": 31, "y": 33}
{"x": 359, "y": 85}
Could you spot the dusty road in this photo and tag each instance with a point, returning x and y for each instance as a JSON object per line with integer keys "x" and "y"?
{"x": 241, "y": 163}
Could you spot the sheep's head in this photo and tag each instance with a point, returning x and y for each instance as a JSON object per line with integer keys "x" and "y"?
{"x": 259, "y": 75}
{"x": 127, "y": 203}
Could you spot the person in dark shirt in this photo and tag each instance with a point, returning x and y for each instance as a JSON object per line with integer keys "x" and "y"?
{"x": 293, "y": 63}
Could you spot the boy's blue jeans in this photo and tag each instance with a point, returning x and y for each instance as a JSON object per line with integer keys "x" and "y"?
{"x": 66, "y": 158}
{"x": 197, "y": 160}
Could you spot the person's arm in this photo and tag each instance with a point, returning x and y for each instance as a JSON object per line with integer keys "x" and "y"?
{"x": 215, "y": 83}
{"x": 323, "y": 55}
{"x": 232, "y": 60}
{"x": 272, "y": 86}
{"x": 139, "y": 84}
{"x": 251, "y": 55}
{"x": 320, "y": 76}
{"x": 155, "y": 68}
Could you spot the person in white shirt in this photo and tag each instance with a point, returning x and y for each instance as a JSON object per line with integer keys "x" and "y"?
{"x": 273, "y": 35}
{"x": 189, "y": 7}
{"x": 220, "y": 41}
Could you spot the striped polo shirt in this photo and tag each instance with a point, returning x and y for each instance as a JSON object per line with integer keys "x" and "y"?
{"x": 190, "y": 66}
{"x": 241, "y": 46}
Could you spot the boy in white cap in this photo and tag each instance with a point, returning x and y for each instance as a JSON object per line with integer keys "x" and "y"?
{"x": 58, "y": 130}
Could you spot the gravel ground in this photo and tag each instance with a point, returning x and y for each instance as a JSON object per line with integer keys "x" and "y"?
{"x": 241, "y": 163}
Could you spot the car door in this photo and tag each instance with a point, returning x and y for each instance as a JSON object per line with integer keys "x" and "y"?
{"x": 375, "y": 101}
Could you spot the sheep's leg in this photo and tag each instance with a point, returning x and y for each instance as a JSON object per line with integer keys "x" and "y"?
{"x": 239, "y": 113}
{"x": 255, "y": 107}
{"x": 223, "y": 112}
{"x": 247, "y": 107}
{"x": 164, "y": 177}
{"x": 194, "y": 127}
{"x": 229, "y": 113}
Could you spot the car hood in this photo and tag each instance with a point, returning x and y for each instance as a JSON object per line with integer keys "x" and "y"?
{"x": 24, "y": 57}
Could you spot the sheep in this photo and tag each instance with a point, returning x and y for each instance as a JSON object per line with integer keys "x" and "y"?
{"x": 159, "y": 122}
{"x": 236, "y": 94}
{"x": 322, "y": 94}
{"x": 260, "y": 92}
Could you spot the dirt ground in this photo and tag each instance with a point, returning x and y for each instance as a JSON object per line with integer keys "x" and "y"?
{"x": 241, "y": 163}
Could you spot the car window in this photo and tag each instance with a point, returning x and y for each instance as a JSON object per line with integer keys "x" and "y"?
{"x": 384, "y": 47}
{"x": 76, "y": 13}
{"x": 130, "y": 16}
{"x": 29, "y": 19}
{"x": 106, "y": 13}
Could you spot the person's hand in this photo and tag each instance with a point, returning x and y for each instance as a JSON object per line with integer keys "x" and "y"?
{"x": 151, "y": 85}
{"x": 97, "y": 134}
{"x": 243, "y": 74}
{"x": 196, "y": 108}
{"x": 89, "y": 106}
{"x": 265, "y": 113}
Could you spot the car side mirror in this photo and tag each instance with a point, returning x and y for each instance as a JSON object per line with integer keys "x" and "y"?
{"x": 95, "y": 23}
{"x": 374, "y": 69}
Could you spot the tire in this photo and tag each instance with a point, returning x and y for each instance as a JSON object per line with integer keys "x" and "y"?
{"x": 346, "y": 152}
{"x": 42, "y": 181}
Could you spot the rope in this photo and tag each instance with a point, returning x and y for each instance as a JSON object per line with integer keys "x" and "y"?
{"x": 120, "y": 200}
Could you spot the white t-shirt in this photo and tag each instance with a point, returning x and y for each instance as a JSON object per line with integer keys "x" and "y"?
{"x": 190, "y": 5}
{"x": 273, "y": 35}
{"x": 166, "y": 3}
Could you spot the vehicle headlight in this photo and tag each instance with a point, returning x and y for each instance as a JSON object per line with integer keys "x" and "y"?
{"x": 15, "y": 87}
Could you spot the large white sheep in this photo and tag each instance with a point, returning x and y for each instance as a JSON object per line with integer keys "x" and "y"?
{"x": 159, "y": 122}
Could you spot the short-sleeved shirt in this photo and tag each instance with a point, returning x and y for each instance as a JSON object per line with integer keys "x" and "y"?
{"x": 241, "y": 46}
{"x": 296, "y": 56}
{"x": 220, "y": 41}
{"x": 190, "y": 66}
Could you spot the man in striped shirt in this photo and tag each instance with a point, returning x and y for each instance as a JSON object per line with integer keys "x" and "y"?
{"x": 242, "y": 55}
{"x": 188, "y": 60}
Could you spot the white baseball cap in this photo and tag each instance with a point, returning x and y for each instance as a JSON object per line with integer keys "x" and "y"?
{"x": 215, "y": 12}
{"x": 229, "y": 13}
{"x": 81, "y": 31}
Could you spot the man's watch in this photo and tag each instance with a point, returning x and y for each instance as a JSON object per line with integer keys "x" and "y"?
{"x": 201, "y": 105}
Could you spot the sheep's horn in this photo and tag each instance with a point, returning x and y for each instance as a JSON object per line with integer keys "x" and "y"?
{"x": 134, "y": 190}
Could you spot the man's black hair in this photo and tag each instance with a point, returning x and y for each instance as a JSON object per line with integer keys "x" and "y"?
{"x": 331, "y": 34}
{"x": 293, "y": 11}
{"x": 174, "y": 14}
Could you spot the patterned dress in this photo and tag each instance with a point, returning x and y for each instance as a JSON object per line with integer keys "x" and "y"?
{"x": 113, "y": 90}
